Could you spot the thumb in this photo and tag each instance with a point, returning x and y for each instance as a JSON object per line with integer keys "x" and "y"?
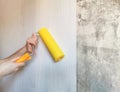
{"x": 18, "y": 66}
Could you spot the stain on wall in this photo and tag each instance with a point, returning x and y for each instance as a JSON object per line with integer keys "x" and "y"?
{"x": 98, "y": 45}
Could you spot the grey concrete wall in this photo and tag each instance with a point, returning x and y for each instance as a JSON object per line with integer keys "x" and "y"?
{"x": 98, "y": 43}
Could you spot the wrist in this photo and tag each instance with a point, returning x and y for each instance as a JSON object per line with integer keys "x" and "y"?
{"x": 24, "y": 49}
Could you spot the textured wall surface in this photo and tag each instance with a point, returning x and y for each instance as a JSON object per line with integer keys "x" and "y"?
{"x": 98, "y": 41}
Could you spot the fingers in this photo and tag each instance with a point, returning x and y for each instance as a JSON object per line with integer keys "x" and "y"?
{"x": 8, "y": 68}
{"x": 33, "y": 39}
{"x": 29, "y": 48}
{"x": 32, "y": 43}
{"x": 18, "y": 66}
{"x": 14, "y": 65}
{"x": 35, "y": 36}
{"x": 15, "y": 59}
{"x": 16, "y": 70}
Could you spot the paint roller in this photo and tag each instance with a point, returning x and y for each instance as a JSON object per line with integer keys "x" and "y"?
{"x": 51, "y": 45}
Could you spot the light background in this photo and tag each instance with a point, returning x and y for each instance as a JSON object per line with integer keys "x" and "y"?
{"x": 18, "y": 20}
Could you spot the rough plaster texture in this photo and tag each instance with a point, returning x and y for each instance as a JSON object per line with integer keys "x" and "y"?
{"x": 98, "y": 41}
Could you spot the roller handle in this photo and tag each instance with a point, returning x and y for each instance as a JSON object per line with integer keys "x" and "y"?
{"x": 26, "y": 57}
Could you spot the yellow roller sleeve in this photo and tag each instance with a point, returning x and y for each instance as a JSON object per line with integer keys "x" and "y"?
{"x": 51, "y": 44}
{"x": 24, "y": 58}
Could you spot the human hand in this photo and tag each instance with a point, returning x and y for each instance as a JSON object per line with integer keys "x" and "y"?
{"x": 31, "y": 43}
{"x": 9, "y": 66}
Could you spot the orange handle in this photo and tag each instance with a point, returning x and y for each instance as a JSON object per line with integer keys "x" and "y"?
{"x": 24, "y": 58}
